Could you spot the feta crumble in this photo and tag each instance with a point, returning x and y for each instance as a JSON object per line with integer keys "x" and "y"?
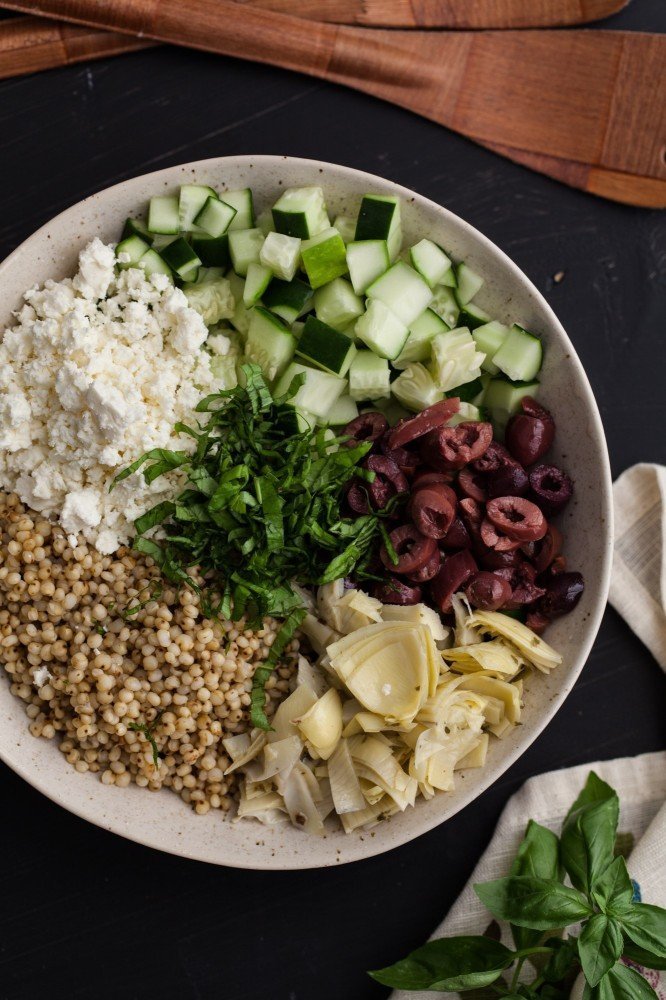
{"x": 95, "y": 371}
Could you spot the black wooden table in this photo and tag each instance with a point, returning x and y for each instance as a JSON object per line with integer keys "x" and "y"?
{"x": 84, "y": 914}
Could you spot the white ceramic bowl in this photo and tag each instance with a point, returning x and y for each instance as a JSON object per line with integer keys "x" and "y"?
{"x": 162, "y": 820}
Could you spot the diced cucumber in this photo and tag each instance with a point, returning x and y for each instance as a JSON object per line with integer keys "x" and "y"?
{"x": 502, "y": 398}
{"x": 455, "y": 359}
{"x": 265, "y": 221}
{"x": 369, "y": 377}
{"x": 160, "y": 241}
{"x": 469, "y": 392}
{"x": 269, "y": 343}
{"x": 257, "y": 281}
{"x": 381, "y": 330}
{"x": 297, "y": 329}
{"x": 242, "y": 202}
{"x": 241, "y": 317}
{"x": 287, "y": 299}
{"x": 469, "y": 283}
{"x": 430, "y": 261}
{"x": 367, "y": 260}
{"x": 449, "y": 278}
{"x": 130, "y": 251}
{"x": 301, "y": 212}
{"x": 324, "y": 257}
{"x": 163, "y": 214}
{"x": 415, "y": 388}
{"x": 403, "y": 290}
{"x": 212, "y": 250}
{"x": 245, "y": 248}
{"x": 489, "y": 338}
{"x": 391, "y": 408}
{"x": 318, "y": 393}
{"x": 136, "y": 227}
{"x": 445, "y": 305}
{"x": 325, "y": 347}
{"x": 346, "y": 226}
{"x": 472, "y": 316}
{"x": 152, "y": 263}
{"x": 181, "y": 258}
{"x": 521, "y": 355}
{"x": 421, "y": 332}
{"x": 342, "y": 412}
{"x": 379, "y": 219}
{"x": 191, "y": 274}
{"x": 215, "y": 217}
{"x": 212, "y": 296}
{"x": 337, "y": 304}
{"x": 467, "y": 411}
{"x": 281, "y": 254}
{"x": 292, "y": 420}
{"x": 191, "y": 200}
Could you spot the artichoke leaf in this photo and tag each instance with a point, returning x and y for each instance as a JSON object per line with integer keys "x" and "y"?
{"x": 321, "y": 725}
{"x": 482, "y": 684}
{"x": 532, "y": 646}
{"x": 345, "y": 787}
{"x": 417, "y": 614}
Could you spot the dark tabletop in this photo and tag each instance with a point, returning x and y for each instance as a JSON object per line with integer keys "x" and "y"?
{"x": 84, "y": 914}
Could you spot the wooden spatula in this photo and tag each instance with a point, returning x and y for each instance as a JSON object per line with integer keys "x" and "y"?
{"x": 585, "y": 107}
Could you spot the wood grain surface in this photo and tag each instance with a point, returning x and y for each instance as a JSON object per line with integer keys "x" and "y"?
{"x": 585, "y": 106}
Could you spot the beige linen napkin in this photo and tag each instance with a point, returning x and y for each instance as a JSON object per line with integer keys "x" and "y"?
{"x": 641, "y": 785}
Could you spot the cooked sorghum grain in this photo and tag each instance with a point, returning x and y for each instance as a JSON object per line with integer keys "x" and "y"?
{"x": 167, "y": 668}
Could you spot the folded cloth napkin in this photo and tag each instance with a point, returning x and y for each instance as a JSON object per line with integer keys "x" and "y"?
{"x": 638, "y": 581}
{"x": 641, "y": 785}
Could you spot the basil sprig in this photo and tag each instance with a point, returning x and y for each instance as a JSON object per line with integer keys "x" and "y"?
{"x": 610, "y": 928}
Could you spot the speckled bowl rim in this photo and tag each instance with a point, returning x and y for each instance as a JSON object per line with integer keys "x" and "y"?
{"x": 353, "y": 848}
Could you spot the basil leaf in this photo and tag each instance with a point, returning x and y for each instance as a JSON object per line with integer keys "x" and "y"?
{"x": 155, "y": 515}
{"x": 588, "y": 833}
{"x": 542, "y": 904}
{"x": 563, "y": 959}
{"x": 621, "y": 983}
{"x": 263, "y": 672}
{"x": 643, "y": 957}
{"x": 646, "y": 926}
{"x": 538, "y": 855}
{"x": 613, "y": 891}
{"x": 599, "y": 946}
{"x": 164, "y": 459}
{"x": 449, "y": 965}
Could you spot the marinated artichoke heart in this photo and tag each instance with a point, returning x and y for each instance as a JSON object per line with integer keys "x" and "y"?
{"x": 527, "y": 642}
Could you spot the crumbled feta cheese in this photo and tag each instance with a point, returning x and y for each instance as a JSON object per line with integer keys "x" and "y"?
{"x": 96, "y": 370}
{"x": 41, "y": 676}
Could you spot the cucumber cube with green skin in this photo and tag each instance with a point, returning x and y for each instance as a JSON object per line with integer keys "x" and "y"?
{"x": 241, "y": 316}
{"x": 281, "y": 254}
{"x": 324, "y": 257}
{"x": 455, "y": 359}
{"x": 287, "y": 299}
{"x": 369, "y": 377}
{"x": 467, "y": 412}
{"x": 215, "y": 217}
{"x": 181, "y": 258}
{"x": 472, "y": 316}
{"x": 318, "y": 393}
{"x": 301, "y": 212}
{"x": 445, "y": 304}
{"x": 469, "y": 283}
{"x": 269, "y": 343}
{"x": 342, "y": 412}
{"x": 212, "y": 250}
{"x": 379, "y": 219}
{"x": 130, "y": 251}
{"x": 415, "y": 388}
{"x": 257, "y": 281}
{"x": 381, "y": 330}
{"x": 136, "y": 227}
{"x": 430, "y": 261}
{"x": 367, "y": 260}
{"x": 489, "y": 338}
{"x": 245, "y": 248}
{"x": 346, "y": 226}
{"x": 163, "y": 214}
{"x": 325, "y": 347}
{"x": 243, "y": 203}
{"x": 403, "y": 290}
{"x": 152, "y": 263}
{"x": 502, "y": 398}
{"x": 418, "y": 343}
{"x": 520, "y": 355}
{"x": 337, "y": 303}
{"x": 191, "y": 200}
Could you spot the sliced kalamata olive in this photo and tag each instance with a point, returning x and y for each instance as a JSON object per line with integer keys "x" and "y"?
{"x": 394, "y": 591}
{"x": 517, "y": 518}
{"x": 380, "y": 491}
{"x": 471, "y": 512}
{"x": 412, "y": 549}
{"x": 473, "y": 484}
{"x": 457, "y": 537}
{"x": 524, "y": 589}
{"x": 495, "y": 538}
{"x": 536, "y": 621}
{"x": 388, "y": 481}
{"x": 453, "y": 575}
{"x": 428, "y": 570}
{"x": 431, "y": 511}
{"x": 487, "y": 591}
{"x": 494, "y": 457}
{"x": 510, "y": 480}
{"x": 558, "y": 565}
{"x": 356, "y": 495}
{"x": 530, "y": 434}
{"x": 563, "y": 592}
{"x": 542, "y": 553}
{"x": 407, "y": 461}
{"x": 550, "y": 488}
{"x": 428, "y": 478}
{"x": 368, "y": 426}
{"x": 427, "y": 420}
{"x": 492, "y": 559}
{"x": 455, "y": 447}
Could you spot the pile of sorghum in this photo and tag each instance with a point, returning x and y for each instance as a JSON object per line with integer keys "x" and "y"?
{"x": 104, "y": 680}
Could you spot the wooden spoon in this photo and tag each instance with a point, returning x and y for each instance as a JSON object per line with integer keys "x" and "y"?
{"x": 585, "y": 107}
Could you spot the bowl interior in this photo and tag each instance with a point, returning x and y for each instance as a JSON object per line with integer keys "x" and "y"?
{"x": 164, "y": 821}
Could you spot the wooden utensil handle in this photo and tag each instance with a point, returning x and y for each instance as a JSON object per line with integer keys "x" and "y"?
{"x": 31, "y": 44}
